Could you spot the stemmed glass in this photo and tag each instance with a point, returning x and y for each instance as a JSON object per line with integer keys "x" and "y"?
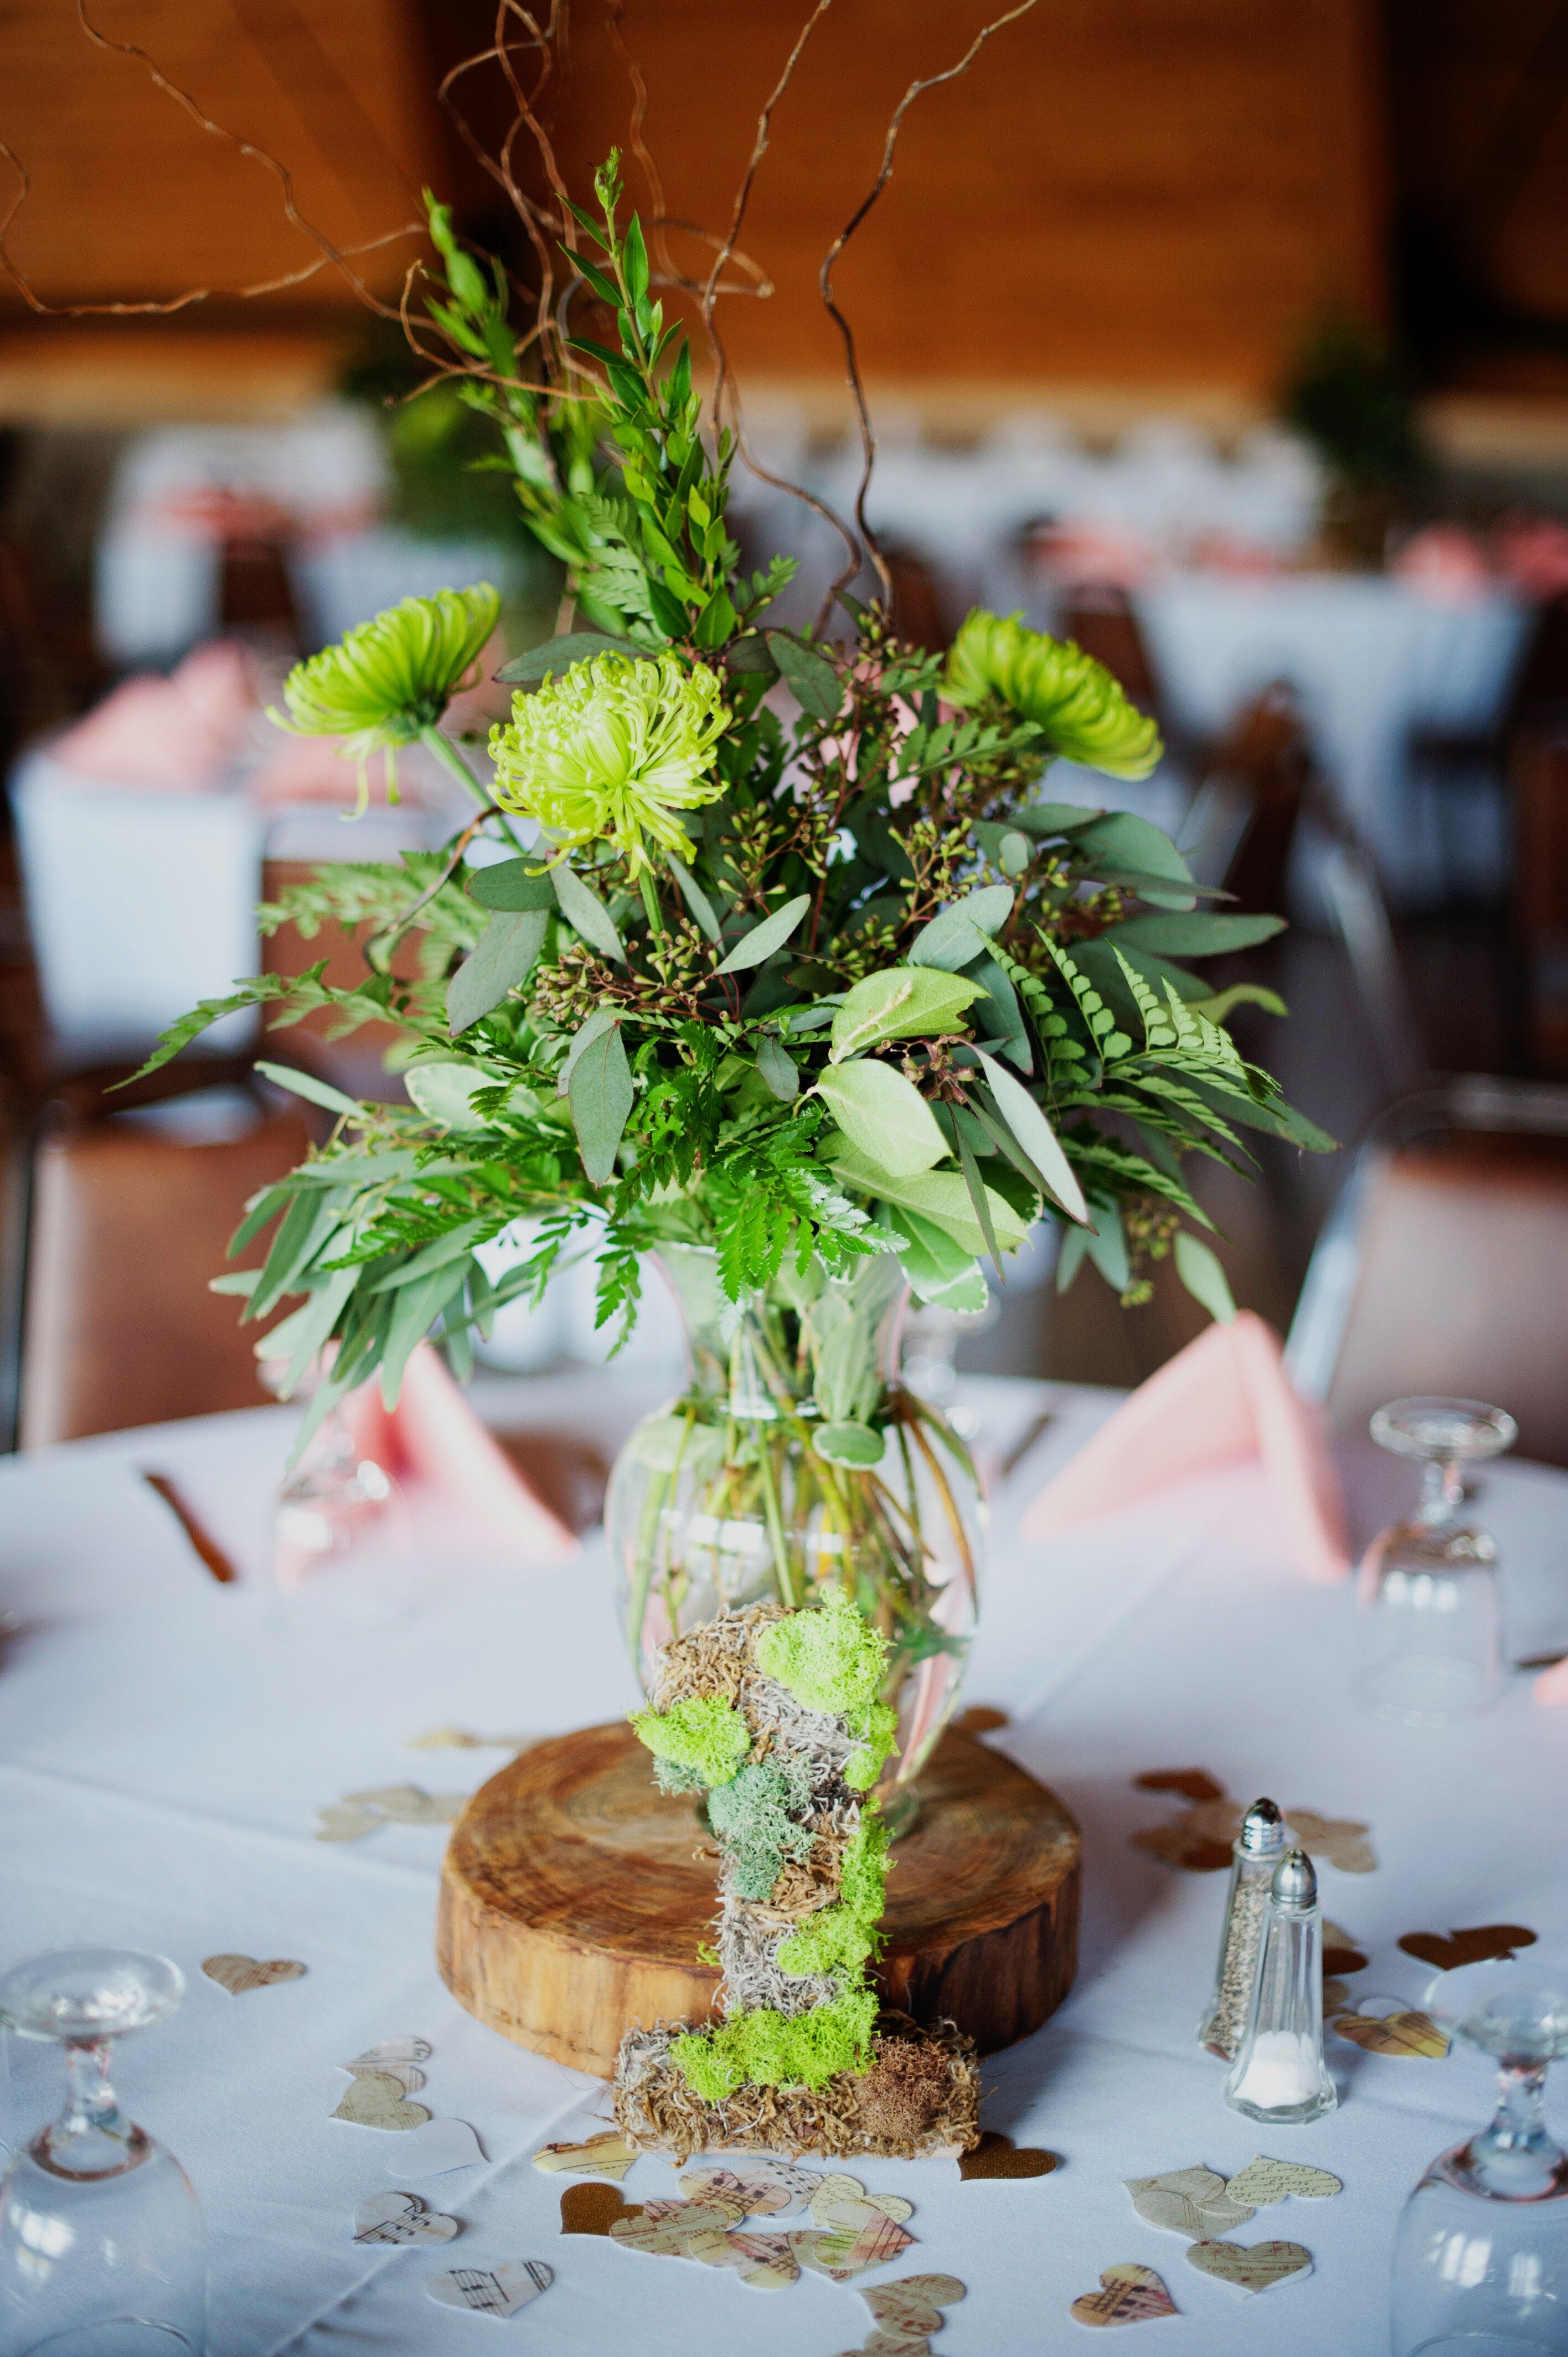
{"x": 100, "y": 2243}
{"x": 1429, "y": 1585}
{"x": 1481, "y": 2262}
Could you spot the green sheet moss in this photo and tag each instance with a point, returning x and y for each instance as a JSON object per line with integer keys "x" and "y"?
{"x": 764, "y": 2048}
{"x": 703, "y": 1734}
{"x": 841, "y": 1938}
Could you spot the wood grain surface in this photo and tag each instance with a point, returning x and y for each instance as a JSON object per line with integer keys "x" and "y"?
{"x": 574, "y": 1897}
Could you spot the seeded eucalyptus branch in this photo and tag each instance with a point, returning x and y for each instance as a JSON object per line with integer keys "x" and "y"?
{"x": 794, "y": 955}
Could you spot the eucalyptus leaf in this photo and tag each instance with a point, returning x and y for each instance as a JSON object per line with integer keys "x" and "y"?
{"x": 593, "y": 1027}
{"x": 559, "y": 655}
{"x": 816, "y": 686}
{"x": 586, "y": 913}
{"x": 1123, "y": 846}
{"x": 696, "y": 899}
{"x": 1203, "y": 932}
{"x": 940, "y": 1196}
{"x": 508, "y": 884}
{"x": 955, "y": 936}
{"x": 884, "y": 1115}
{"x": 1108, "y": 1249}
{"x": 849, "y": 1444}
{"x": 777, "y": 1067}
{"x": 443, "y": 1091}
{"x": 903, "y": 1002}
{"x": 1034, "y": 1132}
{"x": 1204, "y": 1278}
{"x": 764, "y": 939}
{"x": 600, "y": 1094}
{"x": 1043, "y": 820}
{"x": 505, "y": 957}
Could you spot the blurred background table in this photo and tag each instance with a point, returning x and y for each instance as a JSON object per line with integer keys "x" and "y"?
{"x": 164, "y": 1744}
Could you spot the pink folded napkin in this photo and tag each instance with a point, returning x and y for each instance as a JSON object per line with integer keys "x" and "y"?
{"x": 176, "y": 735}
{"x": 1226, "y": 1398}
{"x": 1552, "y": 1685}
{"x": 433, "y": 1438}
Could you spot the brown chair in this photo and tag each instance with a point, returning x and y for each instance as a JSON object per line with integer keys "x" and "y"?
{"x": 127, "y": 1224}
{"x": 1445, "y": 1267}
{"x": 1100, "y": 619}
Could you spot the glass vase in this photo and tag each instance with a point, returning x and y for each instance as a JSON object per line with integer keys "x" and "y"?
{"x": 794, "y": 1461}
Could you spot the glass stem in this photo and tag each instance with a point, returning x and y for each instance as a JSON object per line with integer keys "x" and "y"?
{"x": 1520, "y": 2123}
{"x": 1441, "y": 1490}
{"x": 90, "y": 2100}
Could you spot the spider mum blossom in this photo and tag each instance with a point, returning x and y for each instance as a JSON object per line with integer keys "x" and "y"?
{"x": 610, "y": 750}
{"x": 389, "y": 680}
{"x": 1074, "y": 701}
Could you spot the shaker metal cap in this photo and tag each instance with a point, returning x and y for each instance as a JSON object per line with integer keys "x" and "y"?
{"x": 1295, "y": 1884}
{"x": 1262, "y": 1829}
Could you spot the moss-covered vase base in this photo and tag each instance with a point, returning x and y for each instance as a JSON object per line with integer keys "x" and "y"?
{"x": 918, "y": 2101}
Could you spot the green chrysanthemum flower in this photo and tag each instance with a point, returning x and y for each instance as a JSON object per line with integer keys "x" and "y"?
{"x": 1077, "y": 703}
{"x": 390, "y": 680}
{"x": 610, "y": 750}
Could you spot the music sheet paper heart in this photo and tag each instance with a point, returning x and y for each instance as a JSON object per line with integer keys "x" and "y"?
{"x": 609, "y": 2155}
{"x": 764, "y": 2261}
{"x": 401, "y": 2217}
{"x": 374, "y": 2099}
{"x": 1130, "y": 2295}
{"x": 432, "y": 2149}
{"x": 914, "y": 2304}
{"x": 238, "y": 1973}
{"x": 843, "y": 2254}
{"x": 663, "y": 2229}
{"x": 408, "y": 2075}
{"x": 1341, "y": 1840}
{"x": 1193, "y": 2203}
{"x": 390, "y": 2052}
{"x": 843, "y": 2206}
{"x": 1265, "y": 2181}
{"x": 1250, "y": 2266}
{"x": 1409, "y": 2036}
{"x": 491, "y": 2291}
{"x": 768, "y": 2188}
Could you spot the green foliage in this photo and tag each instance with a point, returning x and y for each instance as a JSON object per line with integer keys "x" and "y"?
{"x": 752, "y": 1817}
{"x": 827, "y": 1657}
{"x": 765, "y": 2049}
{"x": 704, "y": 1733}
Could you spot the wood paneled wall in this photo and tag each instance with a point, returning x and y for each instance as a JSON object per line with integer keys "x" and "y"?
{"x": 1122, "y": 192}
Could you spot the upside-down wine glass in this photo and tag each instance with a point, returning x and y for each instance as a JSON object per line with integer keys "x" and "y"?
{"x": 100, "y": 2243}
{"x": 1429, "y": 1585}
{"x": 1481, "y": 2262}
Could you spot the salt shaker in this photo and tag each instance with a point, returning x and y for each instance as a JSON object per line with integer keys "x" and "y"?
{"x": 1256, "y": 1851}
{"x": 1279, "y": 2074}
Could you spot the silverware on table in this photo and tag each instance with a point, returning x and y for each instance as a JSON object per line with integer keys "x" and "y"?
{"x": 220, "y": 1565}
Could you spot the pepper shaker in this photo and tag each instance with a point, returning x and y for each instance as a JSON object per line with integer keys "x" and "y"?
{"x": 1256, "y": 1851}
{"x": 1279, "y": 2074}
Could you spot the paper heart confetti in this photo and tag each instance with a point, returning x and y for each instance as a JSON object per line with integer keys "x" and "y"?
{"x": 1483, "y": 1944}
{"x": 1192, "y": 1783}
{"x": 374, "y": 2099}
{"x": 238, "y": 1973}
{"x": 663, "y": 2229}
{"x": 491, "y": 2291}
{"x": 981, "y": 1718}
{"x": 607, "y": 2155}
{"x": 914, "y": 2304}
{"x": 401, "y": 2217}
{"x": 408, "y": 2075}
{"x": 410, "y": 1804}
{"x": 1341, "y": 1953}
{"x": 594, "y": 2209}
{"x": 1411, "y": 2036}
{"x": 1189, "y": 2201}
{"x": 342, "y": 1821}
{"x": 1129, "y": 2294}
{"x": 438, "y": 2147}
{"x": 764, "y": 2261}
{"x": 1335, "y": 1997}
{"x": 1179, "y": 1846}
{"x": 1341, "y": 1840}
{"x": 1264, "y": 2182}
{"x": 460, "y": 1739}
{"x": 843, "y": 2206}
{"x": 1250, "y": 2266}
{"x": 997, "y": 2156}
{"x": 391, "y": 2051}
{"x": 844, "y": 2253}
{"x": 771, "y": 2188}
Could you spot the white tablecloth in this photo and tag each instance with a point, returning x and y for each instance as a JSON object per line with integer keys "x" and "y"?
{"x": 1370, "y": 660}
{"x": 165, "y": 1742}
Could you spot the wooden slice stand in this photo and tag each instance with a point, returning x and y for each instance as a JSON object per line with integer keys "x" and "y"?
{"x": 575, "y": 1894}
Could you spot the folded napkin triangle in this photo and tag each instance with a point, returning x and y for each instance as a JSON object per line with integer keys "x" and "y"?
{"x": 434, "y": 1437}
{"x": 1224, "y": 1400}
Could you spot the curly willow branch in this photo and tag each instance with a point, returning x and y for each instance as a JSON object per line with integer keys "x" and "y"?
{"x": 329, "y": 254}
{"x": 825, "y": 285}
